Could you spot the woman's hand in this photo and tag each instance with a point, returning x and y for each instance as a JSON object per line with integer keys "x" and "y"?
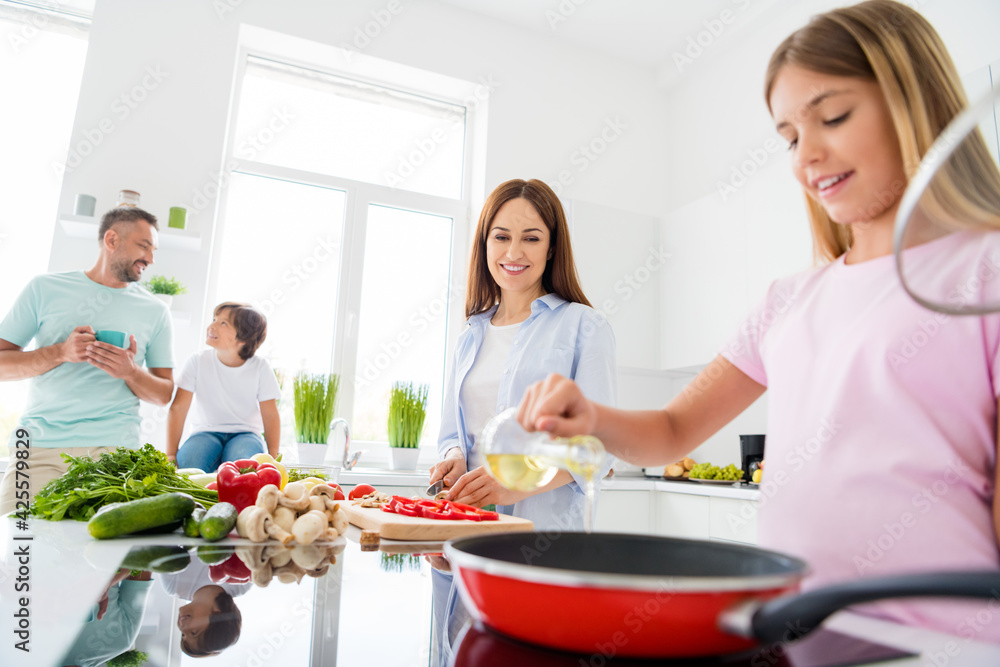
{"x": 478, "y": 488}
{"x": 450, "y": 469}
{"x": 558, "y": 406}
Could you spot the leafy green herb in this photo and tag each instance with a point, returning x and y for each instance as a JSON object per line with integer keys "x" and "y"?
{"x": 131, "y": 658}
{"x": 407, "y": 411}
{"x": 399, "y": 562}
{"x": 164, "y": 285}
{"x": 315, "y": 396}
{"x": 296, "y": 475}
{"x": 118, "y": 476}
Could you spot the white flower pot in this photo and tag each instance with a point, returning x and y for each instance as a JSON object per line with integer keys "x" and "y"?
{"x": 311, "y": 454}
{"x": 403, "y": 458}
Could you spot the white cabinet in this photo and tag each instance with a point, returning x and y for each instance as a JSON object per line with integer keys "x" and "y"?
{"x": 650, "y": 507}
{"x": 682, "y": 515}
{"x": 624, "y": 512}
{"x": 733, "y": 520}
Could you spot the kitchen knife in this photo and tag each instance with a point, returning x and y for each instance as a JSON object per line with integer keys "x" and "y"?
{"x": 435, "y": 488}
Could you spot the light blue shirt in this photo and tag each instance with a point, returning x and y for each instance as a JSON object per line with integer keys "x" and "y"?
{"x": 558, "y": 337}
{"x": 77, "y": 404}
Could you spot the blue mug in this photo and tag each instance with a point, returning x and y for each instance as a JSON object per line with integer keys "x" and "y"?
{"x": 118, "y": 338}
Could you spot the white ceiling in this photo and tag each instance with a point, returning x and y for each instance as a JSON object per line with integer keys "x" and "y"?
{"x": 643, "y": 32}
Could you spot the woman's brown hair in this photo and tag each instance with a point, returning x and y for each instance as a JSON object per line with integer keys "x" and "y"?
{"x": 560, "y": 275}
{"x": 249, "y": 323}
{"x": 893, "y": 45}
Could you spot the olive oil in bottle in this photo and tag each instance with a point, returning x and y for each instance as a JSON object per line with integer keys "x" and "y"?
{"x": 527, "y": 461}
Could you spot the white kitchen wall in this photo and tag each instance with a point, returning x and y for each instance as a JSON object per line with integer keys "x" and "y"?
{"x": 155, "y": 103}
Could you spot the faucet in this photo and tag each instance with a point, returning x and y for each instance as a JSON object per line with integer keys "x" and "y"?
{"x": 349, "y": 459}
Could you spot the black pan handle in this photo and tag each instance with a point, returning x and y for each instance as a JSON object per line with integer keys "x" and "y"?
{"x": 791, "y": 616}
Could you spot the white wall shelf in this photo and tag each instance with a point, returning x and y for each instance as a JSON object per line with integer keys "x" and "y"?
{"x": 85, "y": 227}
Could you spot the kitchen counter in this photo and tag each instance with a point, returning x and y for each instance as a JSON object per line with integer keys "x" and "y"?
{"x": 375, "y": 608}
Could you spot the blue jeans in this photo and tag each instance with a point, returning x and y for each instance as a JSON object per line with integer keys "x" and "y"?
{"x": 207, "y": 450}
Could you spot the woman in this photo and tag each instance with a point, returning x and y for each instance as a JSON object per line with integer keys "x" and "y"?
{"x": 528, "y": 317}
{"x": 875, "y": 466}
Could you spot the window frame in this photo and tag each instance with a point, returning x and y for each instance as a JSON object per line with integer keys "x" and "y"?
{"x": 358, "y": 196}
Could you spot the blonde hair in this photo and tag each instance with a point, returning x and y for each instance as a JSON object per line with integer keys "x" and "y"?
{"x": 893, "y": 45}
{"x": 560, "y": 275}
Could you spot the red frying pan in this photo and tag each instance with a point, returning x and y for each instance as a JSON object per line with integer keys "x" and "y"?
{"x": 658, "y": 597}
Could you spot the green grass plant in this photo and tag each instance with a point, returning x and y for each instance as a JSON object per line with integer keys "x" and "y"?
{"x": 407, "y": 411}
{"x": 164, "y": 285}
{"x": 315, "y": 396}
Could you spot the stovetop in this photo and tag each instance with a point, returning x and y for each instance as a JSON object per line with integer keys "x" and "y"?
{"x": 482, "y": 647}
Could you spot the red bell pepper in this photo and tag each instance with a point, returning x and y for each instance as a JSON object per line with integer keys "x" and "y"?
{"x": 232, "y": 571}
{"x": 438, "y": 509}
{"x": 240, "y": 481}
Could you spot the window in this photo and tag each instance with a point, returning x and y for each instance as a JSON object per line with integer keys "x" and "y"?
{"x": 361, "y": 183}
{"x": 38, "y": 46}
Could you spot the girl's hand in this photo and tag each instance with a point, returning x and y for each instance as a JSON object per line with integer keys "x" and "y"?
{"x": 557, "y": 405}
{"x": 450, "y": 469}
{"x": 478, "y": 488}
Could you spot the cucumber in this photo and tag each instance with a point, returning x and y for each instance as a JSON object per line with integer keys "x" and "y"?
{"x": 142, "y": 514}
{"x": 191, "y": 522}
{"x": 157, "y": 558}
{"x": 161, "y": 530}
{"x": 218, "y": 522}
{"x": 214, "y": 553}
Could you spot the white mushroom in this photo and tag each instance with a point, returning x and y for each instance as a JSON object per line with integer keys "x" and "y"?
{"x": 268, "y": 497}
{"x": 308, "y": 557}
{"x": 280, "y": 556}
{"x": 296, "y": 496}
{"x": 284, "y": 517}
{"x": 309, "y": 527}
{"x": 317, "y": 503}
{"x": 340, "y": 520}
{"x": 262, "y": 575}
{"x": 255, "y": 524}
{"x": 288, "y": 573}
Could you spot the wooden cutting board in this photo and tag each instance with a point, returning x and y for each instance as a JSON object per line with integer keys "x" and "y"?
{"x": 398, "y": 527}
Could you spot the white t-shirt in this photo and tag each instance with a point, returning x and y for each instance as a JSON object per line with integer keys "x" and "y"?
{"x": 227, "y": 399}
{"x": 479, "y": 391}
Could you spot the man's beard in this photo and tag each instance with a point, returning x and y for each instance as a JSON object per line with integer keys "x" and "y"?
{"x": 123, "y": 271}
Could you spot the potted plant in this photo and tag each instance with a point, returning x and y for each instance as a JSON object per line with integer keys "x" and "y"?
{"x": 315, "y": 396}
{"x": 165, "y": 289}
{"x": 407, "y": 411}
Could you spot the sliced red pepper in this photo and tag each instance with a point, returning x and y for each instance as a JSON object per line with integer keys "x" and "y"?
{"x": 483, "y": 515}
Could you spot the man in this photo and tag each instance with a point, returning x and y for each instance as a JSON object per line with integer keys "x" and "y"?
{"x": 84, "y": 395}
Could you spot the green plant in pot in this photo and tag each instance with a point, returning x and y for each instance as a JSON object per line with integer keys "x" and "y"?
{"x": 315, "y": 397}
{"x": 407, "y": 412}
{"x": 165, "y": 288}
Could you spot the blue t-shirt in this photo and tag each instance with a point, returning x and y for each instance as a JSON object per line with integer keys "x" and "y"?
{"x": 77, "y": 404}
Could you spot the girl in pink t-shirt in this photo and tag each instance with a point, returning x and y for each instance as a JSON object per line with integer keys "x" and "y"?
{"x": 881, "y": 440}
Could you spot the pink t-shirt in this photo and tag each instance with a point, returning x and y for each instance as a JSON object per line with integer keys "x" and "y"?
{"x": 881, "y": 438}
